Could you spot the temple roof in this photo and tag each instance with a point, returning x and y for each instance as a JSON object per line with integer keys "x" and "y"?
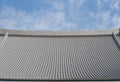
{"x": 50, "y": 55}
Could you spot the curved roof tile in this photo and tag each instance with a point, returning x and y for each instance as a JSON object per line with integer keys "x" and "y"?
{"x": 59, "y": 58}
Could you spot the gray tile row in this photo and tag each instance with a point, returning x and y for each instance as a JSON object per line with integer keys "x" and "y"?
{"x": 60, "y": 58}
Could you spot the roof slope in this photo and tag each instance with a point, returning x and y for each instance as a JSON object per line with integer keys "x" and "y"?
{"x": 63, "y": 56}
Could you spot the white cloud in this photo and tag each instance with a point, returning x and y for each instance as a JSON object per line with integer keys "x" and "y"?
{"x": 74, "y": 9}
{"x": 77, "y": 3}
{"x": 102, "y": 20}
{"x": 38, "y": 20}
{"x": 105, "y": 18}
{"x": 68, "y": 15}
{"x": 58, "y": 5}
{"x": 100, "y": 3}
{"x": 116, "y": 20}
{"x": 115, "y": 5}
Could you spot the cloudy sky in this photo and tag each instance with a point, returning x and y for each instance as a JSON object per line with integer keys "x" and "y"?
{"x": 59, "y": 15}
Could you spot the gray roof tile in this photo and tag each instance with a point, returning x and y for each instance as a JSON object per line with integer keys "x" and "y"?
{"x": 118, "y": 38}
{"x": 60, "y": 58}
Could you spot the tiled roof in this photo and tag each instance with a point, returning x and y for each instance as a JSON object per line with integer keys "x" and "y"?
{"x": 34, "y": 55}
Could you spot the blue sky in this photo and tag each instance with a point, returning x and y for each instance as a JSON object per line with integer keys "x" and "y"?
{"x": 59, "y": 15}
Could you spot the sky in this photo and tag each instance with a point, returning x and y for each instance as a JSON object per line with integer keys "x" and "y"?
{"x": 59, "y": 15}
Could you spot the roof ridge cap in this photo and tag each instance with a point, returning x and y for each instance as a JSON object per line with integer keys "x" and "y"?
{"x": 58, "y": 33}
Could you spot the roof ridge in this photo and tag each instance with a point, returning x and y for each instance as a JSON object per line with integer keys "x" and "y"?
{"x": 4, "y": 40}
{"x": 116, "y": 40}
{"x": 57, "y": 33}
